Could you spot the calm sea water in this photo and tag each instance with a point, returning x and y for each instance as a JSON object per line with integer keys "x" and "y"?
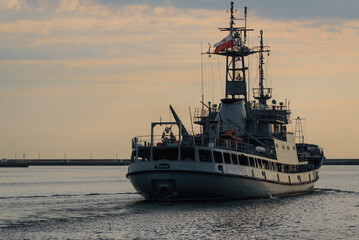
{"x": 100, "y": 203}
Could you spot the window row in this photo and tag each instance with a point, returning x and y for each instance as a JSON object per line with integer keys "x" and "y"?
{"x": 283, "y": 147}
{"x": 144, "y": 154}
{"x": 188, "y": 154}
{"x": 241, "y": 159}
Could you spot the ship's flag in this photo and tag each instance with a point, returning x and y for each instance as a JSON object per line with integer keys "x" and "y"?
{"x": 226, "y": 42}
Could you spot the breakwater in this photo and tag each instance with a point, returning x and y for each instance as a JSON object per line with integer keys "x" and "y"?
{"x": 64, "y": 162}
{"x": 13, "y": 163}
{"x": 341, "y": 162}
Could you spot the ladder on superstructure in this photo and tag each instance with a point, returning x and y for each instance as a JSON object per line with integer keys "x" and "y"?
{"x": 299, "y": 136}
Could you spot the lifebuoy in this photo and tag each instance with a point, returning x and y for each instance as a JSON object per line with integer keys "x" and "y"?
{"x": 165, "y": 138}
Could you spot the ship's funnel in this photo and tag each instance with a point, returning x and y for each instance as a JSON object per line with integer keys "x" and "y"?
{"x": 235, "y": 111}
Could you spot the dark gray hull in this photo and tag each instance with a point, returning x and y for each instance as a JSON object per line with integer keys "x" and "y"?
{"x": 187, "y": 185}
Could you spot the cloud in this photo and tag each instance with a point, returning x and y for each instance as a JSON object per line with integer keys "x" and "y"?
{"x": 134, "y": 55}
{"x": 274, "y": 9}
{"x": 68, "y": 5}
{"x": 82, "y": 7}
{"x": 158, "y": 40}
{"x": 140, "y": 29}
{"x": 12, "y": 4}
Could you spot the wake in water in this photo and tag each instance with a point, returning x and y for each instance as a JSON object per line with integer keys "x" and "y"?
{"x": 68, "y": 195}
{"x": 271, "y": 197}
{"x": 332, "y": 190}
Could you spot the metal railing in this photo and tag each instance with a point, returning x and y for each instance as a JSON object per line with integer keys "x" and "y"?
{"x": 243, "y": 147}
{"x": 145, "y": 141}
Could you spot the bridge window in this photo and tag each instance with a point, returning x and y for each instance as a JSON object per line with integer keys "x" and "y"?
{"x": 166, "y": 154}
{"x": 187, "y": 154}
{"x": 227, "y": 158}
{"x": 144, "y": 154}
{"x": 279, "y": 166}
{"x": 234, "y": 159}
{"x": 217, "y": 157}
{"x": 243, "y": 160}
{"x": 205, "y": 155}
{"x": 274, "y": 166}
{"x": 251, "y": 162}
{"x": 259, "y": 163}
{"x": 133, "y": 156}
{"x": 265, "y": 164}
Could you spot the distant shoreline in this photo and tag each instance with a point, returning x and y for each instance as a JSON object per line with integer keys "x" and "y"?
{"x": 341, "y": 162}
{"x": 115, "y": 162}
{"x": 64, "y": 162}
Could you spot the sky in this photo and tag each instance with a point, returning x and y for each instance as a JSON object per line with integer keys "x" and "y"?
{"x": 82, "y": 77}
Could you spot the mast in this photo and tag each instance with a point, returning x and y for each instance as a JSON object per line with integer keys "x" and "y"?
{"x": 236, "y": 69}
{"x": 261, "y": 73}
{"x": 245, "y": 24}
{"x": 236, "y": 87}
{"x": 262, "y": 94}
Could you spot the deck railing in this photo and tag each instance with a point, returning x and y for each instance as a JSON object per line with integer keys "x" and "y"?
{"x": 145, "y": 141}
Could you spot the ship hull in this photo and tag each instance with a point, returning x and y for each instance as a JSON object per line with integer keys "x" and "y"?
{"x": 190, "y": 185}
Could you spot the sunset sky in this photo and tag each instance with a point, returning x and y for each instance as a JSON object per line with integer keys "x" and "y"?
{"x": 85, "y": 76}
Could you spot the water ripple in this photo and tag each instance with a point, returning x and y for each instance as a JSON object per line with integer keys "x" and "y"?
{"x": 94, "y": 211}
{"x": 68, "y": 195}
{"x": 326, "y": 190}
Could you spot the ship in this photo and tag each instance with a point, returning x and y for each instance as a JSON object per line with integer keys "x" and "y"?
{"x": 243, "y": 148}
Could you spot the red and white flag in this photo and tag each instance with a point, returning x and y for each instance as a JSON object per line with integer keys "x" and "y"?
{"x": 226, "y": 42}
